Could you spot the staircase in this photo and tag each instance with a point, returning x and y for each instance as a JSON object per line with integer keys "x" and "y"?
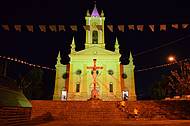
{"x": 94, "y": 110}
{"x": 97, "y": 110}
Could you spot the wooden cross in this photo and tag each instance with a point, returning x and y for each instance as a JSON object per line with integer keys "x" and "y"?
{"x": 94, "y": 75}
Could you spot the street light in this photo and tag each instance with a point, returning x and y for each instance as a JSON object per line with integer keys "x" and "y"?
{"x": 171, "y": 58}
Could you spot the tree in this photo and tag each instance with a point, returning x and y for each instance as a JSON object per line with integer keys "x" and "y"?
{"x": 158, "y": 89}
{"x": 180, "y": 78}
{"x": 32, "y": 84}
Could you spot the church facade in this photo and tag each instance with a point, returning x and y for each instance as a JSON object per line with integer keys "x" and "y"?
{"x": 94, "y": 69}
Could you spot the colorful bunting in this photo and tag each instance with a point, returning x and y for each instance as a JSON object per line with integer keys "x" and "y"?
{"x": 61, "y": 28}
{"x": 73, "y": 27}
{"x": 87, "y": 27}
{"x": 110, "y": 27}
{"x": 185, "y": 26}
{"x": 175, "y": 26}
{"x": 30, "y": 28}
{"x": 42, "y": 28}
{"x": 162, "y": 27}
{"x": 131, "y": 27}
{"x": 99, "y": 27}
{"x": 5, "y": 27}
{"x": 17, "y": 28}
{"x": 121, "y": 28}
{"x": 140, "y": 27}
{"x": 53, "y": 28}
{"x": 151, "y": 27}
{"x": 58, "y": 28}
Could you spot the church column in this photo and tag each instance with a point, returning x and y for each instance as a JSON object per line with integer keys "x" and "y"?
{"x": 118, "y": 80}
{"x": 59, "y": 79}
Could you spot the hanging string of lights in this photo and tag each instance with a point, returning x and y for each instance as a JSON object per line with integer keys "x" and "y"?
{"x": 25, "y": 63}
{"x": 161, "y": 66}
{"x": 48, "y": 68}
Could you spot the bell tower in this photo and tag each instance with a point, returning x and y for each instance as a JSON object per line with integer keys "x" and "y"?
{"x": 95, "y": 31}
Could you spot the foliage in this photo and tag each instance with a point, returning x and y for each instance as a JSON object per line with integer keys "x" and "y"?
{"x": 180, "y": 78}
{"x": 158, "y": 90}
{"x": 176, "y": 83}
{"x": 32, "y": 83}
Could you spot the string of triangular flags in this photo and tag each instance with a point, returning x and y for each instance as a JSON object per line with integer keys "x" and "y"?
{"x": 111, "y": 28}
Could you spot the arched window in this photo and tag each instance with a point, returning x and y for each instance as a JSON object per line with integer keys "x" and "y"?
{"x": 95, "y": 37}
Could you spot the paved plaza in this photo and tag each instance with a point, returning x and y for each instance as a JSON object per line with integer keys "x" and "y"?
{"x": 120, "y": 123}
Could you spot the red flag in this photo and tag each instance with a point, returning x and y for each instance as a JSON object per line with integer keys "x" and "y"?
{"x": 131, "y": 27}
{"x": 140, "y": 27}
{"x": 42, "y": 28}
{"x": 121, "y": 28}
{"x": 73, "y": 27}
{"x": 53, "y": 28}
{"x": 87, "y": 27}
{"x": 151, "y": 27}
{"x": 5, "y": 27}
{"x": 61, "y": 28}
{"x": 17, "y": 27}
{"x": 163, "y": 27}
{"x": 99, "y": 27}
{"x": 30, "y": 28}
{"x": 110, "y": 27}
{"x": 175, "y": 26}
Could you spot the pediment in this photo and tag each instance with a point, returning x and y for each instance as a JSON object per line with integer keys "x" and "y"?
{"x": 95, "y": 50}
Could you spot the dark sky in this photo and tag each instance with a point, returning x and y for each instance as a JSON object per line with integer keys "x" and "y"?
{"x": 41, "y": 48}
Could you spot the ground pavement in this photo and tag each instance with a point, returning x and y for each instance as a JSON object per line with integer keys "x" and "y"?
{"x": 121, "y": 123}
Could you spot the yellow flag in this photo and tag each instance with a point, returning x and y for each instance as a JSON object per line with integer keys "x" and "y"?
{"x": 140, "y": 27}
{"x": 17, "y": 27}
{"x": 42, "y": 28}
{"x": 53, "y": 28}
{"x": 30, "y": 28}
{"x": 87, "y": 27}
{"x": 121, "y": 28}
{"x": 110, "y": 27}
{"x": 61, "y": 28}
{"x": 73, "y": 27}
{"x": 5, "y": 27}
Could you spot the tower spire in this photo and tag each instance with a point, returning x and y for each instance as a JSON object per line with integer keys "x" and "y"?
{"x": 130, "y": 58}
{"x": 73, "y": 45}
{"x": 95, "y": 11}
{"x": 116, "y": 45}
{"x": 59, "y": 58}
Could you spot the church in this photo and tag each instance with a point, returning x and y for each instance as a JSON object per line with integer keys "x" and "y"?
{"x": 94, "y": 72}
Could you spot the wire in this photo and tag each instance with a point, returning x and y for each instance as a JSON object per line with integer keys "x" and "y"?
{"x": 163, "y": 45}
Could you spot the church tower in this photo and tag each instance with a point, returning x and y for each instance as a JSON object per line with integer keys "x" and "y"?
{"x": 95, "y": 34}
{"x": 95, "y": 69}
{"x": 129, "y": 79}
{"x": 60, "y": 80}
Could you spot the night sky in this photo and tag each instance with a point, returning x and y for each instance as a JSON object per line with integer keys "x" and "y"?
{"x": 42, "y": 48}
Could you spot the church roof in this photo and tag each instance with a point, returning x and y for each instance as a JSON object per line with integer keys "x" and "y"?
{"x": 96, "y": 51}
{"x": 95, "y": 12}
